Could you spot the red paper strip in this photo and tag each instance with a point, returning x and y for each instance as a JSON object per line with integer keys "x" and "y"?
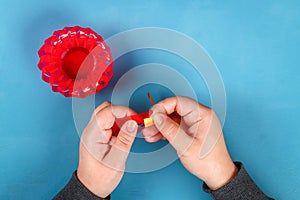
{"x": 139, "y": 118}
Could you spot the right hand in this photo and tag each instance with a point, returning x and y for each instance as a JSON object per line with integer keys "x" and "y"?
{"x": 198, "y": 139}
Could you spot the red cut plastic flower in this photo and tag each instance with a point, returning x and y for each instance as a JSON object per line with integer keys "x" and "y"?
{"x": 76, "y": 62}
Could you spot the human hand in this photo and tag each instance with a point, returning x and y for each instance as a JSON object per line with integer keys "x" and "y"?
{"x": 198, "y": 139}
{"x": 102, "y": 154}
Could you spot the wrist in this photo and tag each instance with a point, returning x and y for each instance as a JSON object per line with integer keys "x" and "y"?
{"x": 90, "y": 181}
{"x": 86, "y": 179}
{"x": 221, "y": 175}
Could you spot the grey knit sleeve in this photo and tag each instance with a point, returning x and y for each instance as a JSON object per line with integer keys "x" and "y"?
{"x": 241, "y": 187}
{"x": 75, "y": 190}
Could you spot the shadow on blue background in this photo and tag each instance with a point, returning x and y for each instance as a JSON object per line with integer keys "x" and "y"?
{"x": 255, "y": 45}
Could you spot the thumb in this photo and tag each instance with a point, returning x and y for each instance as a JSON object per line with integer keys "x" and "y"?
{"x": 117, "y": 156}
{"x": 126, "y": 136}
{"x": 177, "y": 137}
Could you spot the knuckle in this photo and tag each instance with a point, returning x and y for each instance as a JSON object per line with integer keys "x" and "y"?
{"x": 210, "y": 112}
{"x": 98, "y": 114}
{"x": 101, "y": 106}
{"x": 104, "y": 123}
{"x": 104, "y": 119}
{"x": 105, "y": 103}
{"x": 170, "y": 129}
{"x": 125, "y": 139}
{"x": 94, "y": 114}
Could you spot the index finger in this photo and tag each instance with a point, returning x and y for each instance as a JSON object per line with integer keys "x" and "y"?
{"x": 189, "y": 109}
{"x": 107, "y": 116}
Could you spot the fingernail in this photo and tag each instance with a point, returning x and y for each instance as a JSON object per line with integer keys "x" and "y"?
{"x": 157, "y": 108}
{"x": 158, "y": 118}
{"x": 131, "y": 126}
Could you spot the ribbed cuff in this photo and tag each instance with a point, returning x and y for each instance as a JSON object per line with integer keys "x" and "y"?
{"x": 240, "y": 187}
{"x": 75, "y": 190}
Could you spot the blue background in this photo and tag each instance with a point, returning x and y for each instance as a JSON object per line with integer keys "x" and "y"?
{"x": 255, "y": 45}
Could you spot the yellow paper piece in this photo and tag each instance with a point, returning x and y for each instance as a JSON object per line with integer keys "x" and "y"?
{"x": 148, "y": 122}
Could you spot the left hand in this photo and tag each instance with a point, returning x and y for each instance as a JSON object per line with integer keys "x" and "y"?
{"x": 102, "y": 155}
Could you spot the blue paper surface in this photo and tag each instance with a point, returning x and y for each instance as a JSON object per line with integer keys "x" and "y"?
{"x": 255, "y": 45}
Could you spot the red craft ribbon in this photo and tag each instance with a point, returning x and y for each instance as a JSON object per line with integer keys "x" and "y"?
{"x": 139, "y": 118}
